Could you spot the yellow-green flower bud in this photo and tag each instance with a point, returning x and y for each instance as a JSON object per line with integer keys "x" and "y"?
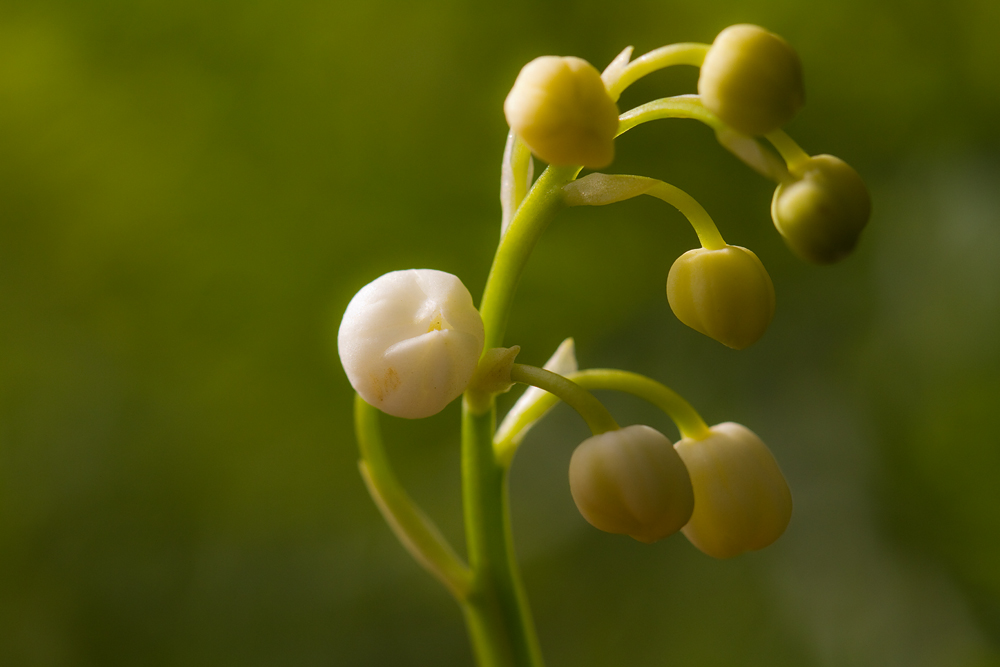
{"x": 410, "y": 341}
{"x": 725, "y": 294}
{"x": 631, "y": 482}
{"x": 751, "y": 79}
{"x": 742, "y": 501}
{"x": 561, "y": 109}
{"x": 822, "y": 212}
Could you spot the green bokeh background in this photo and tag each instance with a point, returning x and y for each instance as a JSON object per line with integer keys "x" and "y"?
{"x": 191, "y": 192}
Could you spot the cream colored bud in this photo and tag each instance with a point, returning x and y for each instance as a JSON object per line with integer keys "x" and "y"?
{"x": 821, "y": 214}
{"x": 410, "y": 341}
{"x": 751, "y": 79}
{"x": 561, "y": 109}
{"x": 631, "y": 482}
{"x": 742, "y": 501}
{"x": 725, "y": 294}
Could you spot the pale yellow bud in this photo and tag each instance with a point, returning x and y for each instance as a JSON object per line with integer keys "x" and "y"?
{"x": 631, "y": 482}
{"x": 822, "y": 212}
{"x": 725, "y": 294}
{"x": 751, "y": 79}
{"x": 561, "y": 109}
{"x": 742, "y": 501}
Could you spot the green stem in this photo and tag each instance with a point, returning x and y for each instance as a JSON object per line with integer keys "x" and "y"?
{"x": 496, "y": 607}
{"x": 688, "y": 421}
{"x": 688, "y": 53}
{"x": 413, "y": 528}
{"x": 690, "y": 106}
{"x": 598, "y": 419}
{"x": 704, "y": 227}
{"x": 542, "y": 203}
{"x": 790, "y": 151}
{"x": 681, "y": 106}
{"x": 603, "y": 189}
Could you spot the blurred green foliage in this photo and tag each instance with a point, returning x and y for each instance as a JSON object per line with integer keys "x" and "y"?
{"x": 190, "y": 193}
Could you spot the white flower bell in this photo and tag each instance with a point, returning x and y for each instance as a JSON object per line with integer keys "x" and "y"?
{"x": 410, "y": 341}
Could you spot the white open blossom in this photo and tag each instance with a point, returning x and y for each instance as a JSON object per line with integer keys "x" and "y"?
{"x": 410, "y": 341}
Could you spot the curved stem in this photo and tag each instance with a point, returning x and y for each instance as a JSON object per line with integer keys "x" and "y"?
{"x": 688, "y": 421}
{"x": 417, "y": 532}
{"x": 680, "y": 106}
{"x": 496, "y": 607}
{"x": 744, "y": 147}
{"x": 598, "y": 419}
{"x": 793, "y": 155}
{"x": 704, "y": 227}
{"x": 688, "y": 53}
{"x": 602, "y": 189}
{"x": 536, "y": 211}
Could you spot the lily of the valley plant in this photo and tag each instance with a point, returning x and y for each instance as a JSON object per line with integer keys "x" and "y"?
{"x": 413, "y": 341}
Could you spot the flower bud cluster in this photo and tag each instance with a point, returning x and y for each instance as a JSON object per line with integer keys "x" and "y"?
{"x": 410, "y": 341}
{"x": 724, "y": 491}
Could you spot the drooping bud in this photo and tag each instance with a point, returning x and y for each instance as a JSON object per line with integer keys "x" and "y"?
{"x": 561, "y": 109}
{"x": 821, "y": 214}
{"x": 751, "y": 79}
{"x": 631, "y": 482}
{"x": 410, "y": 341}
{"x": 725, "y": 294}
{"x": 742, "y": 501}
